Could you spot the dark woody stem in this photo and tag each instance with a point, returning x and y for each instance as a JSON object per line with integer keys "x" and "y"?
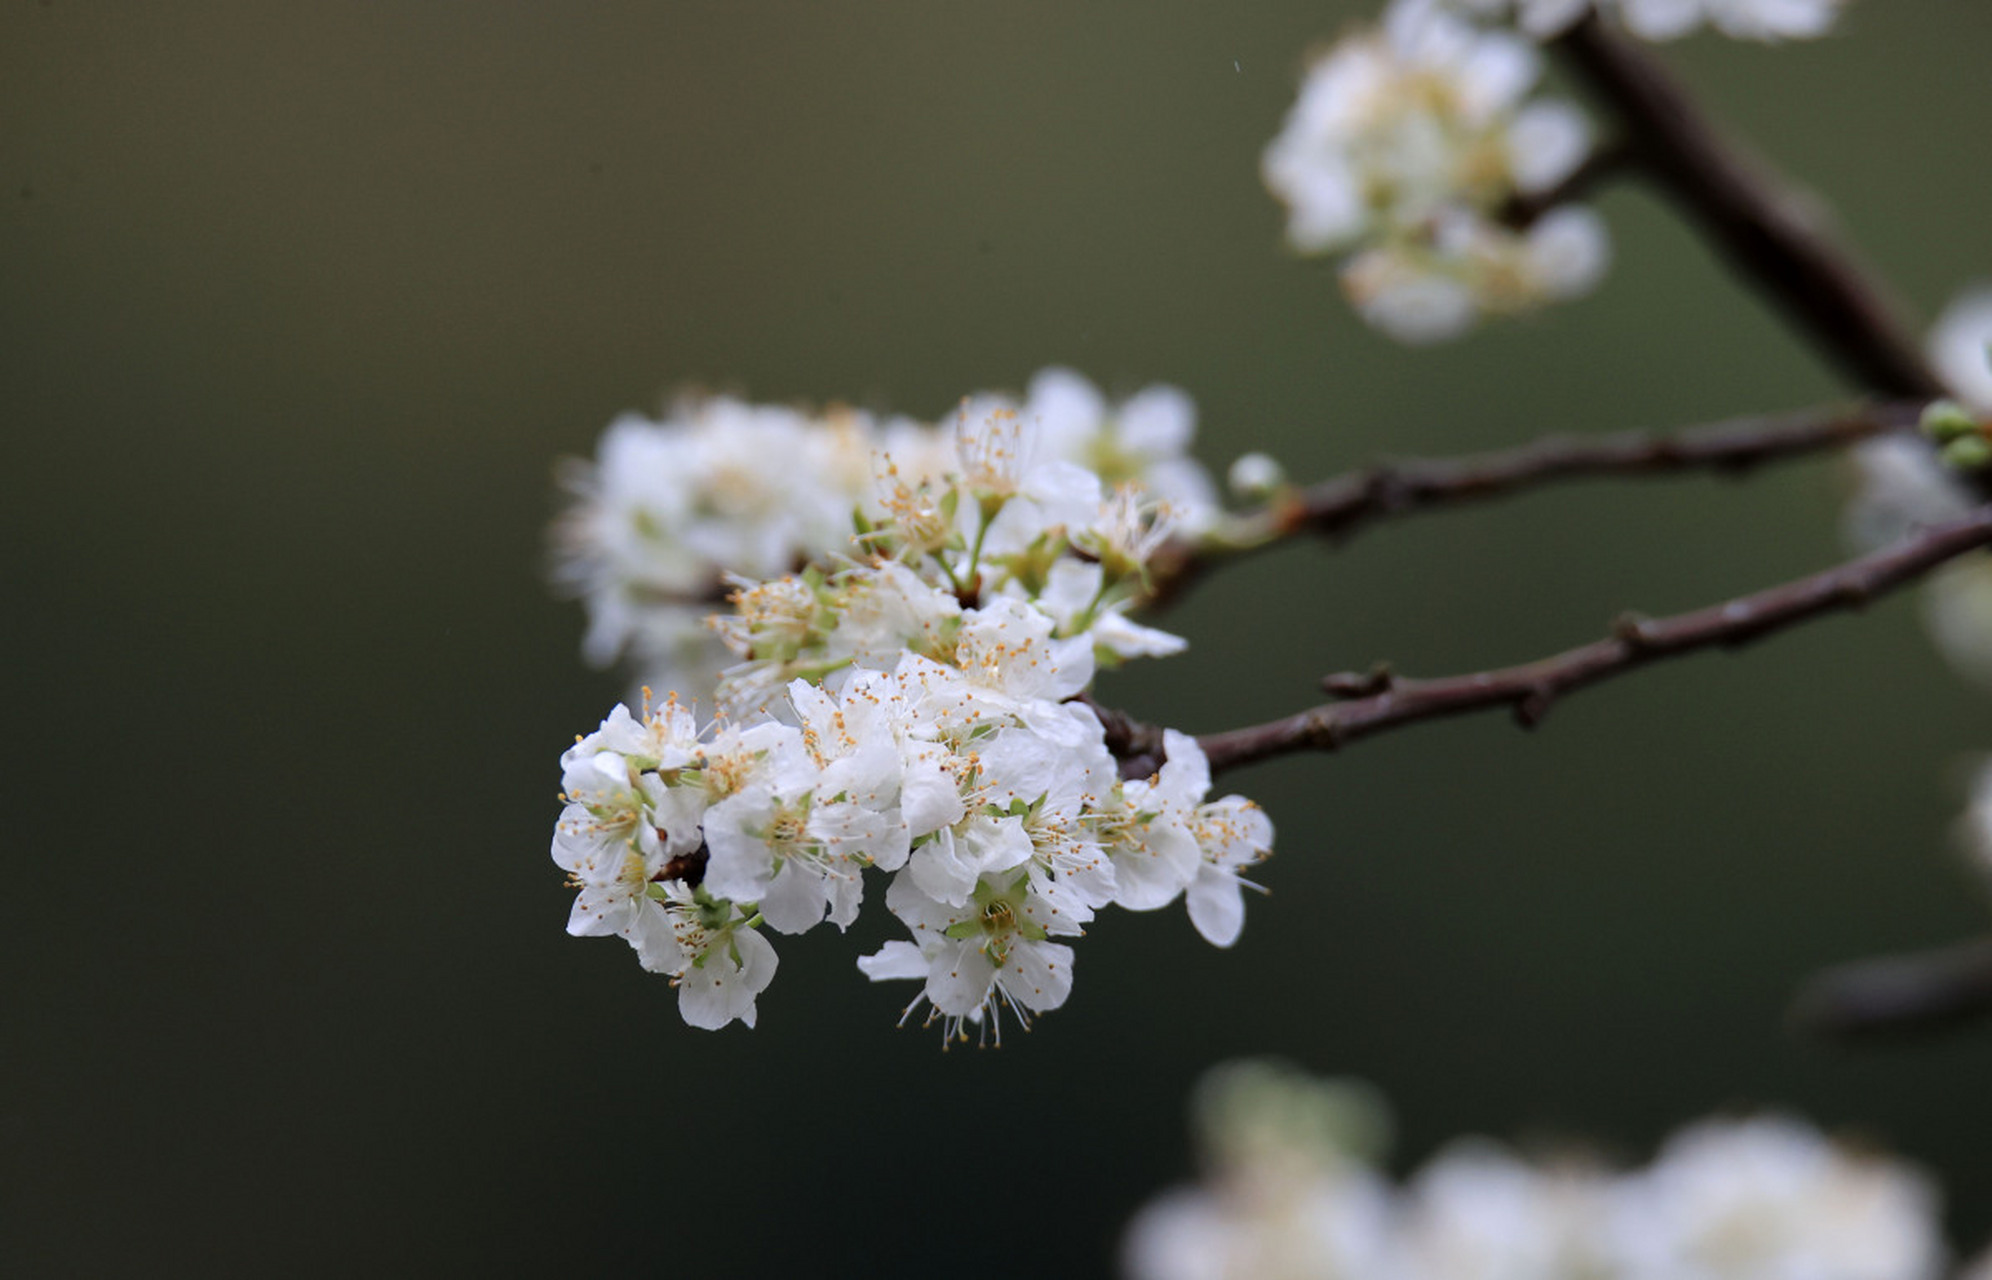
{"x": 1368, "y": 704}
{"x": 1339, "y": 506}
{"x": 1769, "y": 234}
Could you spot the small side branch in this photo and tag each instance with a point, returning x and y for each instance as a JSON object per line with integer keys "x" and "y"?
{"x": 1898, "y": 995}
{"x": 1605, "y": 163}
{"x": 1766, "y": 233}
{"x": 1341, "y": 505}
{"x": 1368, "y": 704}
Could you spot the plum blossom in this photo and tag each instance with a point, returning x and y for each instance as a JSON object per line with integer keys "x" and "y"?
{"x": 1770, "y": 1197}
{"x": 1290, "y": 1188}
{"x": 1765, "y": 20}
{"x": 905, "y": 707}
{"x": 1405, "y": 147}
{"x": 993, "y": 951}
{"x": 723, "y": 496}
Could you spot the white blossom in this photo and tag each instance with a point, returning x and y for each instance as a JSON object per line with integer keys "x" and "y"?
{"x": 1765, "y": 20}
{"x": 1769, "y": 1198}
{"x": 1974, "y": 827}
{"x": 1960, "y": 347}
{"x": 715, "y": 957}
{"x": 977, "y": 958}
{"x": 901, "y": 704}
{"x": 1479, "y": 1212}
{"x": 1405, "y": 146}
{"x": 1288, "y": 1190}
{"x": 1900, "y": 486}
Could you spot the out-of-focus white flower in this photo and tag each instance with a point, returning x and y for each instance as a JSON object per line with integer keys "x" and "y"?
{"x": 1960, "y": 347}
{"x": 1405, "y": 145}
{"x": 1765, "y": 20}
{"x": 1773, "y": 19}
{"x": 1477, "y": 1212}
{"x": 1770, "y": 1198}
{"x": 1436, "y": 289}
{"x": 1287, "y": 1191}
{"x": 1901, "y": 486}
{"x": 1974, "y": 827}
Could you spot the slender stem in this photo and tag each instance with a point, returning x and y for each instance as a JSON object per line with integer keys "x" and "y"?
{"x": 1769, "y": 234}
{"x": 1368, "y": 704}
{"x": 1604, "y": 163}
{"x": 1341, "y": 505}
{"x": 1898, "y": 995}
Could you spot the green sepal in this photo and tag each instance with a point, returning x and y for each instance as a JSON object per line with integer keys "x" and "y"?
{"x": 1946, "y": 420}
{"x": 1968, "y": 453}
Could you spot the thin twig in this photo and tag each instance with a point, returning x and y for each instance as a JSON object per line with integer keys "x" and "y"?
{"x": 1339, "y": 506}
{"x": 1371, "y": 703}
{"x": 1604, "y": 163}
{"x": 1769, "y": 234}
{"x": 1898, "y": 995}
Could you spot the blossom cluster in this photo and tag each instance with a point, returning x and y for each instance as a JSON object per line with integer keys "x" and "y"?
{"x": 670, "y": 507}
{"x": 1408, "y": 145}
{"x": 1291, "y": 1190}
{"x": 1766, "y": 20}
{"x": 1415, "y": 149}
{"x": 911, "y": 707}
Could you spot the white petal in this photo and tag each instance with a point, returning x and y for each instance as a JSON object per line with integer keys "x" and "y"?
{"x": 1039, "y": 975}
{"x": 894, "y": 960}
{"x": 959, "y": 977}
{"x": 793, "y": 903}
{"x": 1217, "y": 908}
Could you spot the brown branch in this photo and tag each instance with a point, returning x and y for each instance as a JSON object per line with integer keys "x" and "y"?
{"x": 1766, "y": 232}
{"x": 1372, "y": 703}
{"x": 1898, "y": 995}
{"x": 1339, "y": 506}
{"x": 1524, "y": 210}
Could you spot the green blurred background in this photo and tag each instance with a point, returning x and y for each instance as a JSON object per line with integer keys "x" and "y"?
{"x": 301, "y": 305}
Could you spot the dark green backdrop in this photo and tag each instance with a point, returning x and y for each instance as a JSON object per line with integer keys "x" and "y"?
{"x": 300, "y": 305}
